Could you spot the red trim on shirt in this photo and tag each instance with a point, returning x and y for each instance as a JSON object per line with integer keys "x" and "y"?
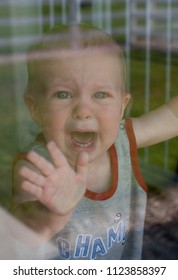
{"x": 134, "y": 154}
{"x": 114, "y": 168}
{"x": 88, "y": 193}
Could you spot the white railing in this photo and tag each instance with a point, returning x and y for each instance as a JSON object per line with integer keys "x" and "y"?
{"x": 101, "y": 14}
{"x": 149, "y": 23}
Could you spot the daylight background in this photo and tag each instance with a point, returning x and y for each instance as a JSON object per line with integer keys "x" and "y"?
{"x": 147, "y": 30}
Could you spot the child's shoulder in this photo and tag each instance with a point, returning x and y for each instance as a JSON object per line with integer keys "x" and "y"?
{"x": 39, "y": 146}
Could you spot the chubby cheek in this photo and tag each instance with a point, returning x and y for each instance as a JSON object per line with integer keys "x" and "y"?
{"x": 52, "y": 125}
{"x": 110, "y": 133}
{"x": 110, "y": 125}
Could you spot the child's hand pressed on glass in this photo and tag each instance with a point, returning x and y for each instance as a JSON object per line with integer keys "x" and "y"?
{"x": 57, "y": 185}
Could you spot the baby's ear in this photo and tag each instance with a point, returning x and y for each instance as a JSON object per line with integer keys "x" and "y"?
{"x": 32, "y": 107}
{"x": 126, "y": 102}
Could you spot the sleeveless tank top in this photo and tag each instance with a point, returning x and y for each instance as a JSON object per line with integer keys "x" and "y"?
{"x": 107, "y": 225}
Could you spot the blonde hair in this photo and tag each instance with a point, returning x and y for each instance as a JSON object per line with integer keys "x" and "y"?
{"x": 70, "y": 37}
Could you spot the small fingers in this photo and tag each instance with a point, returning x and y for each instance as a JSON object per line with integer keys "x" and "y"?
{"x": 32, "y": 176}
{"x": 57, "y": 156}
{"x": 32, "y": 189}
{"x": 82, "y": 164}
{"x": 44, "y": 166}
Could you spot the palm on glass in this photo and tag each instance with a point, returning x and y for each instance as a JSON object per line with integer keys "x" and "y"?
{"x": 57, "y": 185}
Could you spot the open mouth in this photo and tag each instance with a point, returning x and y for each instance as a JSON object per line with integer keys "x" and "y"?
{"x": 83, "y": 139}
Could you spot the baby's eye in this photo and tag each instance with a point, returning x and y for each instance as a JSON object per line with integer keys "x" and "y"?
{"x": 63, "y": 95}
{"x": 101, "y": 95}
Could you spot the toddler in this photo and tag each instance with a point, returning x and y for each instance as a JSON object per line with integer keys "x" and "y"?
{"x": 79, "y": 184}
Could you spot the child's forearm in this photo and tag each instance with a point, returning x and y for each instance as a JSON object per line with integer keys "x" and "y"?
{"x": 158, "y": 125}
{"x": 39, "y": 219}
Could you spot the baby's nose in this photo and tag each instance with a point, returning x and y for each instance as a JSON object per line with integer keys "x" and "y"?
{"x": 82, "y": 111}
